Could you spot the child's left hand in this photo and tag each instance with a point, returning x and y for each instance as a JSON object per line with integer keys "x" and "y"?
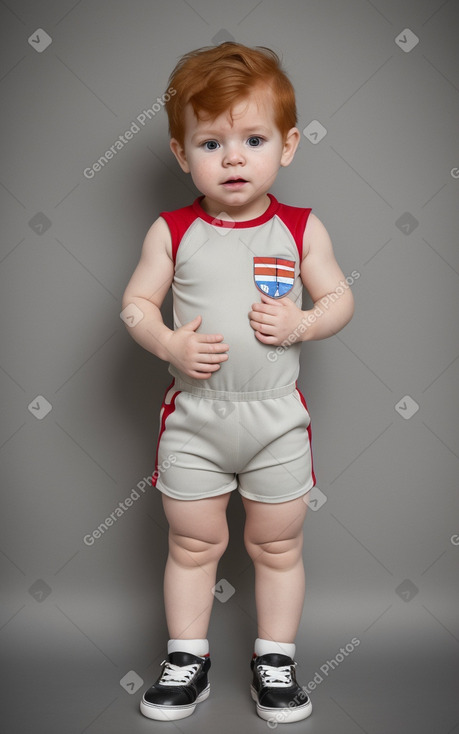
{"x": 275, "y": 320}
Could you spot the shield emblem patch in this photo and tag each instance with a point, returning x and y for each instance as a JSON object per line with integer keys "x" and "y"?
{"x": 273, "y": 276}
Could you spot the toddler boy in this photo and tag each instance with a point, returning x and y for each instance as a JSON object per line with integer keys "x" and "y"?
{"x": 233, "y": 417}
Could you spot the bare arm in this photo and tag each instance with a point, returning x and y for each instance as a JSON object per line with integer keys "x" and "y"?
{"x": 325, "y": 282}
{"x": 281, "y": 322}
{"x": 197, "y": 355}
{"x": 148, "y": 287}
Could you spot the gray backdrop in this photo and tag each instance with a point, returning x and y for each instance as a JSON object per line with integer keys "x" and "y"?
{"x": 82, "y": 629}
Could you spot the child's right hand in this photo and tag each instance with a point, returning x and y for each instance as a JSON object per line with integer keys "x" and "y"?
{"x": 196, "y": 355}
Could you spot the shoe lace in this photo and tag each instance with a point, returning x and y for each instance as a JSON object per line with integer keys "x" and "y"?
{"x": 276, "y": 677}
{"x": 177, "y": 675}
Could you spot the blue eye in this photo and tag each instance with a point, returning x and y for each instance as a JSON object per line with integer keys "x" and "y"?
{"x": 254, "y": 141}
{"x": 211, "y": 145}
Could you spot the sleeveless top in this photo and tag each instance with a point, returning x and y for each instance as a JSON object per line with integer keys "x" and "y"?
{"x": 221, "y": 269}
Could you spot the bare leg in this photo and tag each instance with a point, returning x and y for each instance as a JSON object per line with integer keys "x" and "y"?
{"x": 198, "y": 536}
{"x": 274, "y": 541}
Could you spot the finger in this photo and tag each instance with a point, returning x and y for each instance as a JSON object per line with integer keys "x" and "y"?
{"x": 203, "y": 371}
{"x": 256, "y": 324}
{"x": 271, "y": 301}
{"x": 205, "y": 347}
{"x": 213, "y": 346}
{"x": 200, "y": 375}
{"x": 193, "y": 324}
{"x": 211, "y": 338}
{"x": 262, "y": 318}
{"x": 265, "y": 338}
{"x": 263, "y": 328}
{"x": 208, "y": 358}
{"x": 264, "y": 308}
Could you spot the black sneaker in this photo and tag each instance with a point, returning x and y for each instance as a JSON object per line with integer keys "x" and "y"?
{"x": 278, "y": 696}
{"x": 182, "y": 684}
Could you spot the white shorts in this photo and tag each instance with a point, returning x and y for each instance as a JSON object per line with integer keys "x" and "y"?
{"x": 207, "y": 446}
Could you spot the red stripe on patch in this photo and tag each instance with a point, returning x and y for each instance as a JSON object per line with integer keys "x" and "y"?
{"x": 285, "y": 263}
{"x": 284, "y": 273}
{"x": 259, "y": 270}
{"x": 278, "y": 261}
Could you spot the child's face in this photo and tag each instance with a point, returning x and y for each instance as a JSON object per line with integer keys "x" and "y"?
{"x": 234, "y": 161}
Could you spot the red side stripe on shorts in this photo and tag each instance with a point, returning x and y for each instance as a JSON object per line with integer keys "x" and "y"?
{"x": 167, "y": 409}
{"x": 310, "y": 436}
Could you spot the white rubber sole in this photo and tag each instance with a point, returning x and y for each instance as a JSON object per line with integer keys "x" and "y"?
{"x": 282, "y": 716}
{"x": 172, "y": 713}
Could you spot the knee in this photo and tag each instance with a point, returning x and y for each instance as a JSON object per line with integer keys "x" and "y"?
{"x": 280, "y": 555}
{"x": 189, "y": 551}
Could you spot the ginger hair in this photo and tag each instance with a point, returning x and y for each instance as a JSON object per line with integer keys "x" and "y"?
{"x": 214, "y": 78}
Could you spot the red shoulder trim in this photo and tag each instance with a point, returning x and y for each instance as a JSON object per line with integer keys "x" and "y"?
{"x": 295, "y": 219}
{"x": 178, "y": 222}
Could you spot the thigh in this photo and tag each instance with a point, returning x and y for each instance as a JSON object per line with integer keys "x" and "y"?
{"x": 203, "y": 520}
{"x": 266, "y": 522}
{"x": 276, "y": 435}
{"x": 195, "y": 447}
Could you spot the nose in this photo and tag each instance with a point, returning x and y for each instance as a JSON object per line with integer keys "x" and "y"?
{"x": 233, "y": 156}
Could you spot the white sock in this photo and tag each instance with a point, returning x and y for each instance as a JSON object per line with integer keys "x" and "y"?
{"x": 195, "y": 647}
{"x": 265, "y": 647}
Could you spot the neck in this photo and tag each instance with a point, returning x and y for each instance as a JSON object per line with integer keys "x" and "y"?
{"x": 237, "y": 213}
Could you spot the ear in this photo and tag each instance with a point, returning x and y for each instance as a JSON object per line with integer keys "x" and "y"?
{"x": 291, "y": 143}
{"x": 179, "y": 152}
